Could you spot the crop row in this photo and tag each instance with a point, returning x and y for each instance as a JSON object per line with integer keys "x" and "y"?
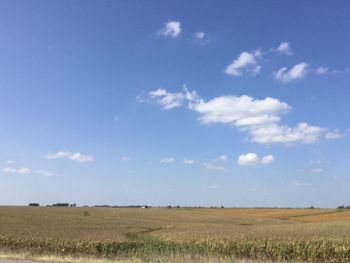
{"x": 283, "y": 250}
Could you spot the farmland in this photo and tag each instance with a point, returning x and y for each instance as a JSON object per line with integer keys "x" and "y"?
{"x": 258, "y": 234}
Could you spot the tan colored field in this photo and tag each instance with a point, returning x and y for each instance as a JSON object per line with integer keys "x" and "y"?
{"x": 178, "y": 224}
{"x": 320, "y": 235}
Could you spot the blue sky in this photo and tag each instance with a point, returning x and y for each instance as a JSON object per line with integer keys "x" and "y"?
{"x": 240, "y": 103}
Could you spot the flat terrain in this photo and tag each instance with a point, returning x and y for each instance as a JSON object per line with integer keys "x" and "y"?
{"x": 77, "y": 223}
{"x": 317, "y": 235}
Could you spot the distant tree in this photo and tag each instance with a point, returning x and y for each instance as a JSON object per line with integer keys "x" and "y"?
{"x": 341, "y": 207}
{"x": 61, "y": 204}
{"x": 33, "y": 204}
{"x": 222, "y": 206}
{"x": 169, "y": 206}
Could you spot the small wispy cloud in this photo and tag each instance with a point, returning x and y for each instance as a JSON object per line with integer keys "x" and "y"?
{"x": 211, "y": 166}
{"x": 167, "y": 160}
{"x": 296, "y": 72}
{"x": 45, "y": 173}
{"x": 221, "y": 158}
{"x": 284, "y": 48}
{"x": 321, "y": 70}
{"x": 246, "y": 63}
{"x": 126, "y": 158}
{"x": 267, "y": 159}
{"x": 171, "y": 29}
{"x": 201, "y": 38}
{"x": 333, "y": 135}
{"x": 77, "y": 157}
{"x": 317, "y": 170}
{"x": 169, "y": 100}
{"x": 13, "y": 170}
{"x": 188, "y": 161}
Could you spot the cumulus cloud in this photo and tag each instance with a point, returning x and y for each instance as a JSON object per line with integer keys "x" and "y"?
{"x": 188, "y": 161}
{"x": 260, "y": 118}
{"x": 296, "y": 72}
{"x": 170, "y": 100}
{"x": 251, "y": 159}
{"x": 171, "y": 29}
{"x": 284, "y": 48}
{"x": 246, "y": 63}
{"x": 12, "y": 170}
{"x": 240, "y": 111}
{"x": 78, "y": 157}
{"x": 167, "y": 160}
{"x": 211, "y": 166}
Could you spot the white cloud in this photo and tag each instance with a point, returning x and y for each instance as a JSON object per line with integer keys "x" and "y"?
{"x": 284, "y": 48}
{"x": 241, "y": 111}
{"x": 249, "y": 159}
{"x": 317, "y": 170}
{"x": 12, "y": 170}
{"x": 267, "y": 159}
{"x": 171, "y": 29}
{"x": 201, "y": 38}
{"x": 126, "y": 158}
{"x": 188, "y": 161}
{"x": 321, "y": 70}
{"x": 214, "y": 167}
{"x": 199, "y": 35}
{"x": 297, "y": 72}
{"x": 78, "y": 157}
{"x": 167, "y": 160}
{"x": 245, "y": 63}
{"x": 45, "y": 173}
{"x": 259, "y": 117}
{"x": 221, "y": 158}
{"x": 275, "y": 133}
{"x": 170, "y": 100}
{"x": 332, "y": 135}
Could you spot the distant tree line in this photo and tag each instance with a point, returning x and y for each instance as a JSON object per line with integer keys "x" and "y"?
{"x": 343, "y": 207}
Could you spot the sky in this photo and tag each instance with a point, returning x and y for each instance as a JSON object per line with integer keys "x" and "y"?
{"x": 198, "y": 103}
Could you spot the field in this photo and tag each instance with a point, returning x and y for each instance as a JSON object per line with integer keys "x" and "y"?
{"x": 160, "y": 234}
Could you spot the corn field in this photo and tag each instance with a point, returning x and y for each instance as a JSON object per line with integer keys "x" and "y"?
{"x": 146, "y": 248}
